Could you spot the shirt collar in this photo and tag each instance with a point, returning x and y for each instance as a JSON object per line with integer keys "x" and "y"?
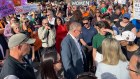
{"x": 73, "y": 37}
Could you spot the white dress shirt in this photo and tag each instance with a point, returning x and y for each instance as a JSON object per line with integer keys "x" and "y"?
{"x": 52, "y": 21}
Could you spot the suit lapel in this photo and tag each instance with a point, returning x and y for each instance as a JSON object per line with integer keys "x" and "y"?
{"x": 73, "y": 42}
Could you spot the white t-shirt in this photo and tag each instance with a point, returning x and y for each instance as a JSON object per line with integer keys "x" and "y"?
{"x": 52, "y": 21}
{"x": 119, "y": 71}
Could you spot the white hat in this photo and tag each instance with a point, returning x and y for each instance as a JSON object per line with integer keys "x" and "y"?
{"x": 126, "y": 35}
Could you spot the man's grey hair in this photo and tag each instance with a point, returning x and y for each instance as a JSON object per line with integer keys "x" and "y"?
{"x": 73, "y": 26}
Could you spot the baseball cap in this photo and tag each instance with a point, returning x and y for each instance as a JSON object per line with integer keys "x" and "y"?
{"x": 126, "y": 35}
{"x": 126, "y": 15}
{"x": 18, "y": 39}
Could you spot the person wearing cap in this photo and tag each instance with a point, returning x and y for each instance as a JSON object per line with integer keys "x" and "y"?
{"x": 16, "y": 66}
{"x": 136, "y": 22}
{"x": 125, "y": 24}
{"x": 127, "y": 42}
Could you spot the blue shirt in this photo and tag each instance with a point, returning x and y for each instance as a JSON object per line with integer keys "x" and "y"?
{"x": 136, "y": 23}
{"x": 88, "y": 34}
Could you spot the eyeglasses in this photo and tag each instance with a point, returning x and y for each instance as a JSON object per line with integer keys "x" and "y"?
{"x": 132, "y": 70}
{"x": 45, "y": 23}
{"x": 85, "y": 23}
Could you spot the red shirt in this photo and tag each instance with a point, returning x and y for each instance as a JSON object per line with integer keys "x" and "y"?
{"x": 61, "y": 32}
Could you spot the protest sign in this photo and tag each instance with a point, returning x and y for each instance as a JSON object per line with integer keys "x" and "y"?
{"x": 18, "y": 2}
{"x": 136, "y": 9}
{"x": 23, "y": 2}
{"x": 80, "y": 2}
{"x": 25, "y": 8}
{"x": 6, "y": 8}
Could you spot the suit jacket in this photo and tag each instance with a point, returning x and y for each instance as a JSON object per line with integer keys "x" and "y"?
{"x": 71, "y": 59}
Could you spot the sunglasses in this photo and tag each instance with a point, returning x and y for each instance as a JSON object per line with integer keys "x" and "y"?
{"x": 126, "y": 18}
{"x": 85, "y": 23}
{"x": 45, "y": 23}
{"x": 132, "y": 70}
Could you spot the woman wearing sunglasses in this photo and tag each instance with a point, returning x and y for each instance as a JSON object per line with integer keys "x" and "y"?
{"x": 125, "y": 24}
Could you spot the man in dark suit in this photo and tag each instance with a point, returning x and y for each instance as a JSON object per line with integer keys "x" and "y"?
{"x": 73, "y": 58}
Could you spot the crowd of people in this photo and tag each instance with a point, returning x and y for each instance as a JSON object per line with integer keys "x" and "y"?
{"x": 96, "y": 41}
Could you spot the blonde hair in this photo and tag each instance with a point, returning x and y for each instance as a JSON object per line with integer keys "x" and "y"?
{"x": 15, "y": 24}
{"x": 112, "y": 52}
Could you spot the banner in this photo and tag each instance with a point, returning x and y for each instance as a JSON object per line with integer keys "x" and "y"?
{"x": 80, "y": 2}
{"x": 23, "y": 2}
{"x": 136, "y": 9}
{"x": 6, "y": 8}
{"x": 17, "y": 2}
{"x": 25, "y": 8}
